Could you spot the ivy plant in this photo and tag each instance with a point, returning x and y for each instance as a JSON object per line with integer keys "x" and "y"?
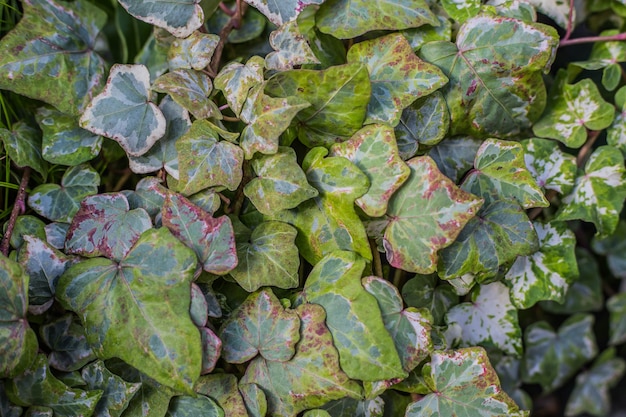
{"x": 311, "y": 208}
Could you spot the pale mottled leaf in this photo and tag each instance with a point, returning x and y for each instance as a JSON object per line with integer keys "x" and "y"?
{"x": 235, "y": 80}
{"x": 180, "y": 18}
{"x": 190, "y": 89}
{"x": 194, "y": 52}
{"x": 551, "y": 168}
{"x": 558, "y": 10}
{"x": 117, "y": 393}
{"x": 291, "y": 48}
{"x": 223, "y": 389}
{"x": 283, "y": 11}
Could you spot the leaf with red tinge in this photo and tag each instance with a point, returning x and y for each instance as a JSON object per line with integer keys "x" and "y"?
{"x": 104, "y": 226}
{"x": 211, "y": 350}
{"x": 212, "y": 239}
{"x": 223, "y": 388}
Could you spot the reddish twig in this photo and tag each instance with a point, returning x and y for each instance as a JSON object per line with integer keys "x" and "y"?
{"x": 18, "y": 208}
{"x": 590, "y": 39}
{"x": 233, "y": 23}
{"x": 570, "y": 22}
{"x": 584, "y": 152}
{"x": 226, "y": 9}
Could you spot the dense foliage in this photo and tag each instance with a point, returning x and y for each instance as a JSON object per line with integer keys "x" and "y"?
{"x": 315, "y": 207}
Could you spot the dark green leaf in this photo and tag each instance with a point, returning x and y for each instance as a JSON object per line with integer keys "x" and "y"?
{"x": 27, "y": 225}
{"x": 23, "y": 145}
{"x": 66, "y": 339}
{"x": 422, "y": 291}
{"x": 455, "y": 156}
{"x": 617, "y": 321}
{"x": 178, "y": 18}
{"x": 199, "y": 405}
{"x": 117, "y": 393}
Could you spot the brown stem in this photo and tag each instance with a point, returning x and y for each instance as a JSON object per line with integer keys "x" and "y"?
{"x": 584, "y": 152}
{"x": 377, "y": 264}
{"x": 227, "y": 10}
{"x": 18, "y": 208}
{"x": 591, "y": 39}
{"x": 239, "y": 195}
{"x": 233, "y": 23}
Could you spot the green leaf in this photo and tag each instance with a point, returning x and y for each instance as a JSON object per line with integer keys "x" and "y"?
{"x": 212, "y": 239}
{"x": 463, "y": 383}
{"x": 254, "y": 398}
{"x": 572, "y": 109}
{"x": 461, "y": 10}
{"x": 194, "y": 52}
{"x": 338, "y": 97}
{"x": 190, "y": 89}
{"x": 149, "y": 195}
{"x": 163, "y": 154}
{"x": 558, "y": 10}
{"x": 498, "y": 234}
{"x": 223, "y": 389}
{"x": 185, "y": 406}
{"x": 27, "y": 225}
{"x": 551, "y": 358}
{"x": 49, "y": 55}
{"x": 425, "y": 215}
{"x": 350, "y": 18}
{"x": 280, "y": 12}
{"x": 291, "y": 48}
{"x": 117, "y": 393}
{"x": 267, "y": 119}
{"x": 455, "y": 156}
{"x": 67, "y": 342}
{"x": 64, "y": 141}
{"x": 373, "y": 150}
{"x": 267, "y": 256}
{"x": 311, "y": 378}
{"x": 124, "y": 112}
{"x": 616, "y": 133}
{"x": 44, "y": 265}
{"x": 235, "y": 81}
{"x": 489, "y": 320}
{"x": 409, "y": 328}
{"x": 23, "y": 145}
{"x": 495, "y": 87}
{"x": 139, "y": 300}
{"x": 104, "y": 226}
{"x": 60, "y": 202}
{"x": 18, "y": 343}
{"x": 366, "y": 349}
{"x": 180, "y": 18}
{"x": 260, "y": 325}
{"x": 551, "y": 168}
{"x": 397, "y": 76}
{"x": 280, "y": 183}
{"x": 606, "y": 55}
{"x": 599, "y": 193}
{"x": 205, "y": 162}
{"x": 251, "y": 25}
{"x": 423, "y": 291}
{"x": 420, "y": 36}
{"x": 617, "y": 319}
{"x": 500, "y": 172}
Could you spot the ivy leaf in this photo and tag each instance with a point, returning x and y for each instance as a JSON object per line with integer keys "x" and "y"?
{"x": 260, "y": 325}
{"x": 606, "y": 55}
{"x": 463, "y": 383}
{"x": 489, "y": 320}
{"x": 193, "y": 52}
{"x": 613, "y": 247}
{"x": 205, "y": 162}
{"x": 616, "y": 133}
{"x": 49, "y": 55}
{"x": 311, "y": 378}
{"x": 591, "y": 393}
{"x": 149, "y": 195}
{"x": 281, "y": 12}
{"x": 268, "y": 256}
{"x": 397, "y": 76}
{"x": 138, "y": 299}
{"x": 64, "y": 142}
{"x": 496, "y": 88}
{"x": 211, "y": 350}
{"x": 409, "y": 328}
{"x": 422, "y": 291}
{"x": 559, "y": 11}
{"x": 424, "y": 216}
{"x": 617, "y": 319}
{"x": 547, "y": 273}
{"x": 66, "y": 339}
{"x": 163, "y": 154}
{"x": 338, "y": 97}
{"x": 59, "y": 203}
{"x": 38, "y": 386}
{"x": 117, "y": 393}
{"x": 346, "y": 19}
{"x": 573, "y": 109}
{"x": 461, "y": 10}
{"x": 223, "y": 389}
{"x": 455, "y": 156}
{"x": 366, "y": 349}
{"x": 23, "y": 146}
{"x": 550, "y": 357}
{"x": 27, "y": 225}
{"x": 551, "y": 168}
{"x": 598, "y": 195}
{"x": 498, "y": 234}
{"x": 254, "y": 398}
{"x": 190, "y": 89}
{"x": 373, "y": 149}
{"x": 212, "y": 239}
{"x": 500, "y": 170}
{"x": 185, "y": 406}
{"x": 291, "y": 48}
{"x": 267, "y": 119}
{"x": 280, "y": 183}
{"x": 420, "y": 36}
{"x": 18, "y": 342}
{"x": 44, "y": 265}
{"x": 235, "y": 81}
{"x": 104, "y": 226}
{"x": 124, "y": 112}
{"x": 178, "y": 18}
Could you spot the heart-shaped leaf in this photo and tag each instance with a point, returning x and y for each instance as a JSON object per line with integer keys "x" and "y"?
{"x": 144, "y": 298}
{"x": 193, "y": 52}
{"x": 190, "y": 89}
{"x": 60, "y": 202}
{"x": 67, "y": 342}
{"x": 422, "y": 291}
{"x": 23, "y": 145}
{"x": 27, "y": 225}
{"x": 117, "y": 393}
{"x": 455, "y": 156}
{"x": 181, "y": 19}
{"x": 185, "y": 406}
{"x": 551, "y": 168}
{"x": 223, "y": 388}
{"x": 212, "y": 239}
{"x": 235, "y": 80}
{"x": 397, "y": 76}
{"x": 366, "y": 349}
{"x": 211, "y": 350}
{"x": 104, "y": 226}
{"x": 616, "y": 133}
{"x": 50, "y": 54}
{"x": 291, "y": 48}
{"x": 461, "y": 10}
{"x": 254, "y": 398}
{"x": 280, "y": 12}
{"x": 124, "y": 112}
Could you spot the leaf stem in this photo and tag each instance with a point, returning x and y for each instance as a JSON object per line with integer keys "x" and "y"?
{"x": 233, "y": 23}
{"x": 240, "y": 196}
{"x": 378, "y": 266}
{"x": 584, "y": 152}
{"x": 570, "y": 22}
{"x": 18, "y": 208}
{"x": 590, "y": 39}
